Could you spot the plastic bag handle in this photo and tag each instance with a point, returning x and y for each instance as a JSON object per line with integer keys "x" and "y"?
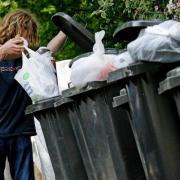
{"x": 98, "y": 47}
{"x": 25, "y": 59}
{"x": 30, "y": 51}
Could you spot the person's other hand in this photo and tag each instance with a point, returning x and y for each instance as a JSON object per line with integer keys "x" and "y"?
{"x": 12, "y": 49}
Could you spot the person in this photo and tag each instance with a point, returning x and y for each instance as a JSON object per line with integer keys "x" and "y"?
{"x": 16, "y": 128}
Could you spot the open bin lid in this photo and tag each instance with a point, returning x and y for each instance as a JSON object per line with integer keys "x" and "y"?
{"x": 172, "y": 81}
{"x": 74, "y": 30}
{"x": 130, "y": 30}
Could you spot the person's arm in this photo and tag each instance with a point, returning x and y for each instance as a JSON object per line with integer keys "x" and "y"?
{"x": 12, "y": 49}
{"x": 57, "y": 42}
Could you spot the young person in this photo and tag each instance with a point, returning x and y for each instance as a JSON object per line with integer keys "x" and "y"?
{"x": 16, "y": 128}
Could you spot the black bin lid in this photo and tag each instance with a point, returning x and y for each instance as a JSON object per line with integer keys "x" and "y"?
{"x": 130, "y": 30}
{"x": 74, "y": 30}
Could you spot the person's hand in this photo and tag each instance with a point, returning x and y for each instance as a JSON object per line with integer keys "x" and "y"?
{"x": 12, "y": 49}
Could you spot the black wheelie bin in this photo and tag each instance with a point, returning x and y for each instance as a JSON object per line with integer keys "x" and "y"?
{"x": 59, "y": 137}
{"x": 61, "y": 143}
{"x": 104, "y": 134}
{"x": 153, "y": 119}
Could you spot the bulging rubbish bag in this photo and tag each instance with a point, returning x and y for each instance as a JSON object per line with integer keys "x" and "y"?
{"x": 37, "y": 76}
{"x": 160, "y": 43}
{"x": 96, "y": 66}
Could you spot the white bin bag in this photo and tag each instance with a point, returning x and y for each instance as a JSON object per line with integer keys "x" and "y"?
{"x": 159, "y": 43}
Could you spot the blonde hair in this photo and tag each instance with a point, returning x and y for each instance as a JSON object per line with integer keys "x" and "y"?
{"x": 22, "y": 23}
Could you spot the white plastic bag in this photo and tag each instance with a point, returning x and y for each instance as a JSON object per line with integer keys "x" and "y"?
{"x": 41, "y": 156}
{"x": 160, "y": 43}
{"x": 63, "y": 74}
{"x": 95, "y": 67}
{"x": 7, "y": 174}
{"x": 37, "y": 76}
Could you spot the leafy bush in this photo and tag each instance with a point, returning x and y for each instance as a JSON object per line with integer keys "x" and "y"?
{"x": 95, "y": 15}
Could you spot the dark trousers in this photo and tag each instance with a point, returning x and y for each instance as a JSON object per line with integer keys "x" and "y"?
{"x": 18, "y": 150}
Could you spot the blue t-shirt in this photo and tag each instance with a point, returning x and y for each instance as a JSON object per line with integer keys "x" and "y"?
{"x": 13, "y": 102}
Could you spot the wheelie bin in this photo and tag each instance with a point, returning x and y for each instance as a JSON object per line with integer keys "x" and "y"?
{"x": 171, "y": 87}
{"x": 60, "y": 140}
{"x": 153, "y": 119}
{"x": 59, "y": 136}
{"x": 104, "y": 134}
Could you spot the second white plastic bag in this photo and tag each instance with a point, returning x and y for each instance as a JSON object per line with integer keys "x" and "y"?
{"x": 94, "y": 67}
{"x": 159, "y": 43}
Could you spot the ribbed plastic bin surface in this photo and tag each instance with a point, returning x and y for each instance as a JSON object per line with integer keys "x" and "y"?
{"x": 153, "y": 119}
{"x": 104, "y": 134}
{"x": 171, "y": 86}
{"x": 60, "y": 140}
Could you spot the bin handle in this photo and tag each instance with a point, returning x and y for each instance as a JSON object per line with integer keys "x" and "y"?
{"x": 121, "y": 99}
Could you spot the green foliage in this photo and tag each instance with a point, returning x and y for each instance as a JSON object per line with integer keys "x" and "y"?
{"x": 6, "y": 6}
{"x": 95, "y": 15}
{"x": 144, "y": 9}
{"x": 104, "y": 5}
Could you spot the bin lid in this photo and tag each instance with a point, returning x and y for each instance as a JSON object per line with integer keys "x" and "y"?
{"x": 130, "y": 30}
{"x": 172, "y": 81}
{"x": 74, "y": 30}
{"x": 42, "y": 105}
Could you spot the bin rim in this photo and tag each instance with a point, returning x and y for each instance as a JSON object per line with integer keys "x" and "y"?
{"x": 42, "y": 105}
{"x": 74, "y": 30}
{"x": 172, "y": 81}
{"x": 132, "y": 70}
{"x": 91, "y": 86}
{"x": 62, "y": 101}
